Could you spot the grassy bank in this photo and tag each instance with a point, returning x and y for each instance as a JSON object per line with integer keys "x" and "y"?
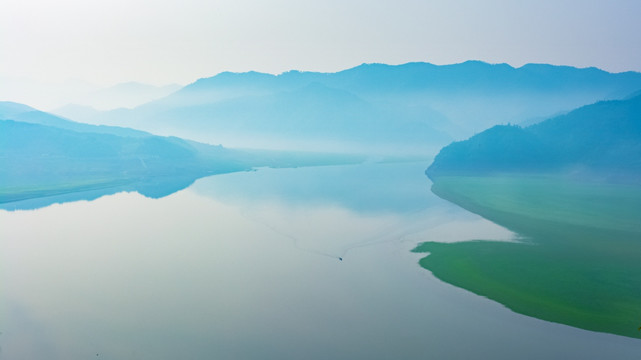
{"x": 579, "y": 262}
{"x": 24, "y": 192}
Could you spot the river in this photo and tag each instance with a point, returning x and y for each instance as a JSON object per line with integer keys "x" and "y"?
{"x": 303, "y": 263}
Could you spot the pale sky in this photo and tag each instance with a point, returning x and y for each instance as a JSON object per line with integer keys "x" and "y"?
{"x": 179, "y": 41}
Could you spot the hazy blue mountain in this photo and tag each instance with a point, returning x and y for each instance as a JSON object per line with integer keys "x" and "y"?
{"x": 24, "y": 113}
{"x": 44, "y": 95}
{"x": 9, "y": 109}
{"x": 54, "y": 95}
{"x": 37, "y": 155}
{"x": 44, "y": 165}
{"x": 47, "y": 159}
{"x": 314, "y": 112}
{"x": 476, "y": 95}
{"x": 45, "y": 156}
{"x": 127, "y": 95}
{"x": 80, "y": 113}
{"x": 374, "y": 104}
{"x": 602, "y": 139}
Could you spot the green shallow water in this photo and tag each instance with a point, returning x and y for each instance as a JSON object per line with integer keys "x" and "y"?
{"x": 579, "y": 259}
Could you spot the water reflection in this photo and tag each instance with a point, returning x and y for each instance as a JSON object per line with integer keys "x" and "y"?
{"x": 154, "y": 188}
{"x": 355, "y": 206}
{"x": 366, "y": 188}
{"x": 194, "y": 276}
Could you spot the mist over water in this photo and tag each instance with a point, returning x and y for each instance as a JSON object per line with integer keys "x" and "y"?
{"x": 245, "y": 266}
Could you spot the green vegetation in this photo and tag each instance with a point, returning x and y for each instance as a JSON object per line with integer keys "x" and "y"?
{"x": 17, "y": 193}
{"x": 602, "y": 140}
{"x": 577, "y": 262}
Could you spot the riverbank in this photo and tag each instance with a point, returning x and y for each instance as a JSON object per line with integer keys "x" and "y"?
{"x": 578, "y": 261}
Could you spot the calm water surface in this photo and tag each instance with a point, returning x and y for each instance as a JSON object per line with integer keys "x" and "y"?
{"x": 245, "y": 266}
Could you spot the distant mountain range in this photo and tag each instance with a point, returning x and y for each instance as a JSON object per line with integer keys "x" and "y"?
{"x": 603, "y": 139}
{"x": 415, "y": 105}
{"x": 372, "y": 108}
{"x": 55, "y": 95}
{"x": 125, "y": 95}
{"x": 27, "y": 114}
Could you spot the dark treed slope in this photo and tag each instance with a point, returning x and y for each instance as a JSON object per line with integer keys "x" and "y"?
{"x": 601, "y": 138}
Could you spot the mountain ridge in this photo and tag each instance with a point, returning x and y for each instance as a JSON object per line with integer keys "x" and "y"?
{"x": 413, "y": 100}
{"x": 604, "y": 137}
